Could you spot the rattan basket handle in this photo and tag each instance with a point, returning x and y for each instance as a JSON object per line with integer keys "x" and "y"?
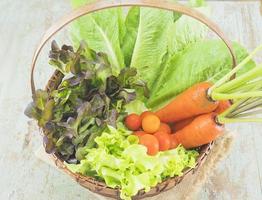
{"x": 104, "y": 4}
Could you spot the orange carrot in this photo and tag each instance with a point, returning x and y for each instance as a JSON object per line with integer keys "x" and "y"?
{"x": 222, "y": 106}
{"x": 202, "y": 130}
{"x": 192, "y": 102}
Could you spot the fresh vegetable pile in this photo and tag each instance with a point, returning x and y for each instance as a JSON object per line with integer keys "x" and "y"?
{"x": 140, "y": 92}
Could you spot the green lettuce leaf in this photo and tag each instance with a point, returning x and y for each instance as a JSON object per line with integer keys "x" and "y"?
{"x": 103, "y": 31}
{"x": 152, "y": 34}
{"x": 201, "y": 61}
{"x": 185, "y": 31}
{"x": 121, "y": 25}
{"x": 121, "y": 162}
{"x": 131, "y": 24}
{"x": 146, "y": 40}
{"x": 136, "y": 106}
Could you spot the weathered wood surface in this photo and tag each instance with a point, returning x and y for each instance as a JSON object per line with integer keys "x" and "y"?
{"x": 25, "y": 177}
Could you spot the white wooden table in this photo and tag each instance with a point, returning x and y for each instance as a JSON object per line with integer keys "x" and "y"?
{"x": 24, "y": 177}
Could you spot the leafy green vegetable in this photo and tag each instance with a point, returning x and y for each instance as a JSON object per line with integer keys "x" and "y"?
{"x": 146, "y": 40}
{"x": 152, "y": 34}
{"x": 41, "y": 108}
{"x": 125, "y": 163}
{"x": 132, "y": 24}
{"x": 122, "y": 27}
{"x": 103, "y": 31}
{"x": 66, "y": 60}
{"x": 136, "y": 106}
{"x": 185, "y": 31}
{"x": 191, "y": 66}
{"x": 86, "y": 101}
{"x": 145, "y": 36}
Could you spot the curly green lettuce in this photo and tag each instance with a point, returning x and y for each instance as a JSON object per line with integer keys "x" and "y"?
{"x": 121, "y": 162}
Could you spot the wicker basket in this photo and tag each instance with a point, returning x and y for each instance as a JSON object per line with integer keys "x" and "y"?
{"x": 89, "y": 182}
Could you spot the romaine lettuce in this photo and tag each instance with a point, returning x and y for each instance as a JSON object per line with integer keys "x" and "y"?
{"x": 201, "y": 61}
{"x": 145, "y": 42}
{"x": 103, "y": 31}
{"x": 185, "y": 31}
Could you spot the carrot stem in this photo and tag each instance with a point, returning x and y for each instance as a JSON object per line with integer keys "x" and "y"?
{"x": 221, "y": 96}
{"x": 247, "y": 86}
{"x": 250, "y": 113}
{"x": 237, "y": 82}
{"x": 224, "y": 120}
{"x": 249, "y": 101}
{"x": 233, "y": 71}
{"x": 246, "y": 107}
{"x": 231, "y": 109}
